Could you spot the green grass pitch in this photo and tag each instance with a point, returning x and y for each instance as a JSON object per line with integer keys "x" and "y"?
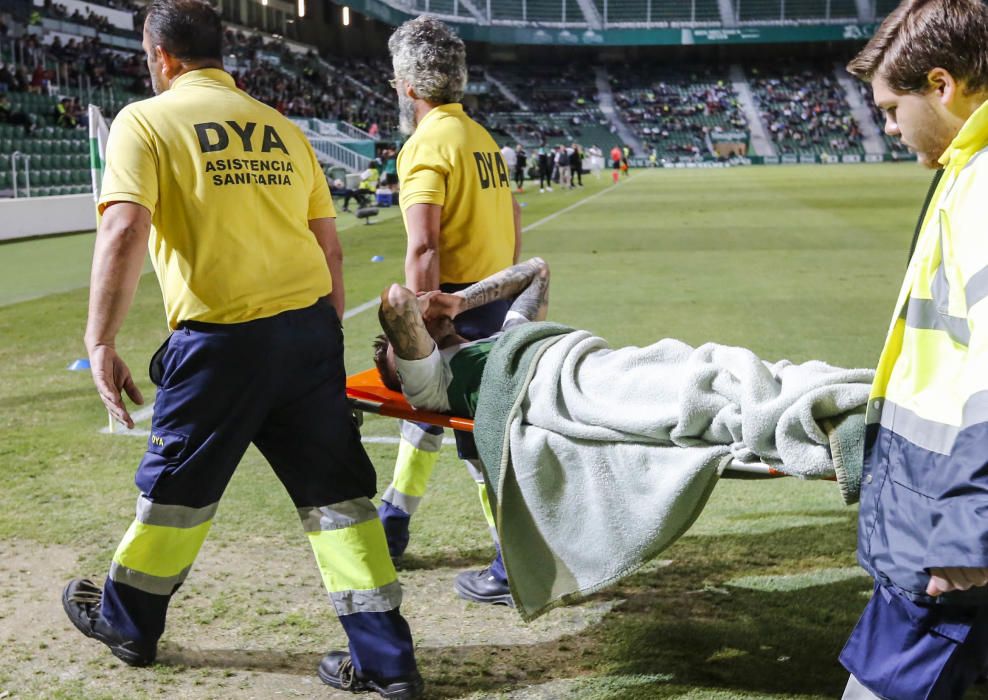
{"x": 754, "y": 602}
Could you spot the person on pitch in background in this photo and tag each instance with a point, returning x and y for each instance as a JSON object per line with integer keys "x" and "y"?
{"x": 521, "y": 162}
{"x": 510, "y": 156}
{"x": 922, "y": 530}
{"x": 463, "y": 224}
{"x": 544, "y": 162}
{"x": 230, "y": 199}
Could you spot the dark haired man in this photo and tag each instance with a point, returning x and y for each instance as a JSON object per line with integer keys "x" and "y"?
{"x": 245, "y": 247}
{"x": 521, "y": 162}
{"x": 922, "y": 531}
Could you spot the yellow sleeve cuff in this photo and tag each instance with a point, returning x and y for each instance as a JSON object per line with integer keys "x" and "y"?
{"x": 422, "y": 197}
{"x": 110, "y": 197}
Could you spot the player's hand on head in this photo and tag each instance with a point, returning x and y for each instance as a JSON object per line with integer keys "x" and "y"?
{"x": 955, "y": 578}
{"x": 438, "y": 304}
{"x": 112, "y": 376}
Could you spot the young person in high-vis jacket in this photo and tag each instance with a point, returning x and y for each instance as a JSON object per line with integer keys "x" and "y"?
{"x": 923, "y": 523}
{"x": 463, "y": 225}
{"x": 229, "y": 197}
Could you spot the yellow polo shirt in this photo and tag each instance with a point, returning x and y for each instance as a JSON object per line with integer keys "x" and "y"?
{"x": 452, "y": 161}
{"x": 231, "y": 185}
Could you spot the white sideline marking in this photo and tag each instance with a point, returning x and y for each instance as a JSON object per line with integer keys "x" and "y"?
{"x": 121, "y": 431}
{"x": 350, "y": 313}
{"x": 143, "y": 414}
{"x": 571, "y": 207}
{"x": 138, "y": 416}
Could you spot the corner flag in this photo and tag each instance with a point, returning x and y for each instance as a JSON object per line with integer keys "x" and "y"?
{"x": 99, "y": 132}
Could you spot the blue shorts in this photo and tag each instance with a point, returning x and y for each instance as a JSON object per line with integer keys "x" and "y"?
{"x": 904, "y": 650}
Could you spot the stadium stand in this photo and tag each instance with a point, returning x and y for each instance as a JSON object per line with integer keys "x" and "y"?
{"x": 64, "y": 55}
{"x": 675, "y": 110}
{"x": 560, "y": 106}
{"x": 41, "y": 114}
{"x": 805, "y": 110}
{"x": 301, "y": 84}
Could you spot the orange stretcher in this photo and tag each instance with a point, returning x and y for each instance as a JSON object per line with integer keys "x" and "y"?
{"x": 367, "y": 393}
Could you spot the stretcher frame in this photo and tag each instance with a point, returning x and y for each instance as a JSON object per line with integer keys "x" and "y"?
{"x": 367, "y": 393}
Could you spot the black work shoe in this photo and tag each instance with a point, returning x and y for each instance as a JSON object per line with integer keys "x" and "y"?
{"x": 483, "y": 587}
{"x": 81, "y": 600}
{"x": 336, "y": 669}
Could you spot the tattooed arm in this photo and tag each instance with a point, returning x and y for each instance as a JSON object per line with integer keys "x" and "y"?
{"x": 402, "y": 322}
{"x": 528, "y": 281}
{"x": 533, "y": 303}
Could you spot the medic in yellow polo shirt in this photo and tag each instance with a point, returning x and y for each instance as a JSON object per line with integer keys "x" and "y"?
{"x": 230, "y": 199}
{"x": 463, "y": 225}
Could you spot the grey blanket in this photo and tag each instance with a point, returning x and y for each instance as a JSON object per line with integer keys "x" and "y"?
{"x": 598, "y": 459}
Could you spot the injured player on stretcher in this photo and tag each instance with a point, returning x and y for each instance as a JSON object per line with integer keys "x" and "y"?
{"x": 598, "y": 458}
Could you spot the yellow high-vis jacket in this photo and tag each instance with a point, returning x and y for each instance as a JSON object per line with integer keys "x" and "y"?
{"x": 924, "y": 490}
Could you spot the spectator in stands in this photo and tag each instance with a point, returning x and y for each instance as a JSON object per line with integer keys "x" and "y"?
{"x": 9, "y": 116}
{"x": 39, "y": 79}
{"x": 6, "y": 78}
{"x": 63, "y": 114}
{"x": 805, "y": 111}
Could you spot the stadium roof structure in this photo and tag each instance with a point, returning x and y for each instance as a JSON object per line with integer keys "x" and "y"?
{"x": 641, "y": 22}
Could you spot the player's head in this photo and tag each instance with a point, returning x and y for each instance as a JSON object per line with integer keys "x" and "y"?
{"x": 384, "y": 360}
{"x": 180, "y": 35}
{"x": 430, "y": 64}
{"x": 928, "y": 67}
